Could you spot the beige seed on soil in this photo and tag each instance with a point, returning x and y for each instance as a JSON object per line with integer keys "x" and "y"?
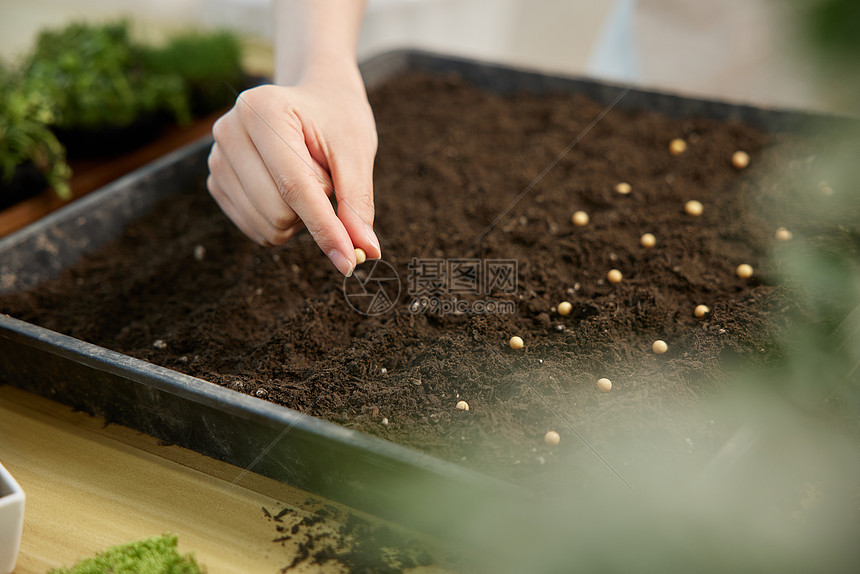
{"x": 551, "y": 438}
{"x": 462, "y": 405}
{"x": 648, "y": 240}
{"x": 677, "y": 146}
{"x": 782, "y": 234}
{"x": 564, "y": 308}
{"x": 694, "y": 208}
{"x": 744, "y": 271}
{"x": 604, "y": 385}
{"x": 701, "y": 310}
{"x": 740, "y": 159}
{"x": 199, "y": 252}
{"x": 623, "y": 188}
{"x": 614, "y": 276}
{"x": 580, "y": 218}
{"x": 360, "y": 256}
{"x": 516, "y": 343}
{"x": 659, "y": 347}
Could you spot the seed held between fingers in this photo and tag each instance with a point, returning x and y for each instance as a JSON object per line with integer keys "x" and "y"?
{"x": 551, "y": 438}
{"x": 516, "y": 343}
{"x": 360, "y": 256}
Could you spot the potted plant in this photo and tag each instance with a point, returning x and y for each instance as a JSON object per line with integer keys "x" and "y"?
{"x": 209, "y": 62}
{"x": 31, "y": 157}
{"x": 106, "y": 101}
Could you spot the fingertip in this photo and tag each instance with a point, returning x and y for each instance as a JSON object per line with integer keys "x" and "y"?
{"x": 343, "y": 262}
{"x": 375, "y": 251}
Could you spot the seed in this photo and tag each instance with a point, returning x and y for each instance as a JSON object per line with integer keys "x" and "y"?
{"x": 360, "y": 256}
{"x": 614, "y": 276}
{"x": 580, "y": 218}
{"x": 159, "y": 344}
{"x": 740, "y": 159}
{"x": 516, "y": 343}
{"x": 462, "y": 405}
{"x": 648, "y": 240}
{"x": 623, "y": 188}
{"x": 551, "y": 438}
{"x": 693, "y": 208}
{"x": 744, "y": 271}
{"x": 782, "y": 234}
{"x": 604, "y": 385}
{"x": 199, "y": 252}
{"x": 677, "y": 146}
{"x": 701, "y": 310}
{"x": 564, "y": 308}
{"x": 659, "y": 347}
{"x": 385, "y": 421}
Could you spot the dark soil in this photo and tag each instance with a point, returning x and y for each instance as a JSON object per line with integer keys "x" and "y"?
{"x": 322, "y": 534}
{"x": 274, "y": 323}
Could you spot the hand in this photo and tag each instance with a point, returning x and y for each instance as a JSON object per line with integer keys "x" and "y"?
{"x": 279, "y": 154}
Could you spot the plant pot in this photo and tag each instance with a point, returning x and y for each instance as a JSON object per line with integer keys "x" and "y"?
{"x": 11, "y": 520}
{"x": 111, "y": 141}
{"x": 206, "y": 100}
{"x": 26, "y": 182}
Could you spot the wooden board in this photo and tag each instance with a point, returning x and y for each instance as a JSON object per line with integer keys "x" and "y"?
{"x": 90, "y": 486}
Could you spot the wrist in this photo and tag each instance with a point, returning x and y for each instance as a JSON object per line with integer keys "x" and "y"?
{"x": 326, "y": 69}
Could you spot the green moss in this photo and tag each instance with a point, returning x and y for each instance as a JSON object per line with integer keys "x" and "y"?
{"x": 157, "y": 555}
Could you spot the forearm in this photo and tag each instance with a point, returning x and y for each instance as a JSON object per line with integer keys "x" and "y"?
{"x": 316, "y": 39}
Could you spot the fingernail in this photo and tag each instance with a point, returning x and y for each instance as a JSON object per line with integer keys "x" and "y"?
{"x": 371, "y": 236}
{"x": 341, "y": 262}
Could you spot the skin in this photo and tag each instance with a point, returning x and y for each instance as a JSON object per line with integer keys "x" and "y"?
{"x": 284, "y": 150}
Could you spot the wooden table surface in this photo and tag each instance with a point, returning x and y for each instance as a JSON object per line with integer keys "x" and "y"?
{"x": 90, "y": 486}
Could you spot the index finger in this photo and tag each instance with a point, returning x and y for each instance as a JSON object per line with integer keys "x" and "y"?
{"x": 281, "y": 143}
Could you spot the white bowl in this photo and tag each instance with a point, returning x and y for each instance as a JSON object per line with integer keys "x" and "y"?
{"x": 11, "y": 520}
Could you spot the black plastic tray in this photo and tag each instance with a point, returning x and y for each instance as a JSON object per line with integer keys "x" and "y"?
{"x": 362, "y": 471}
